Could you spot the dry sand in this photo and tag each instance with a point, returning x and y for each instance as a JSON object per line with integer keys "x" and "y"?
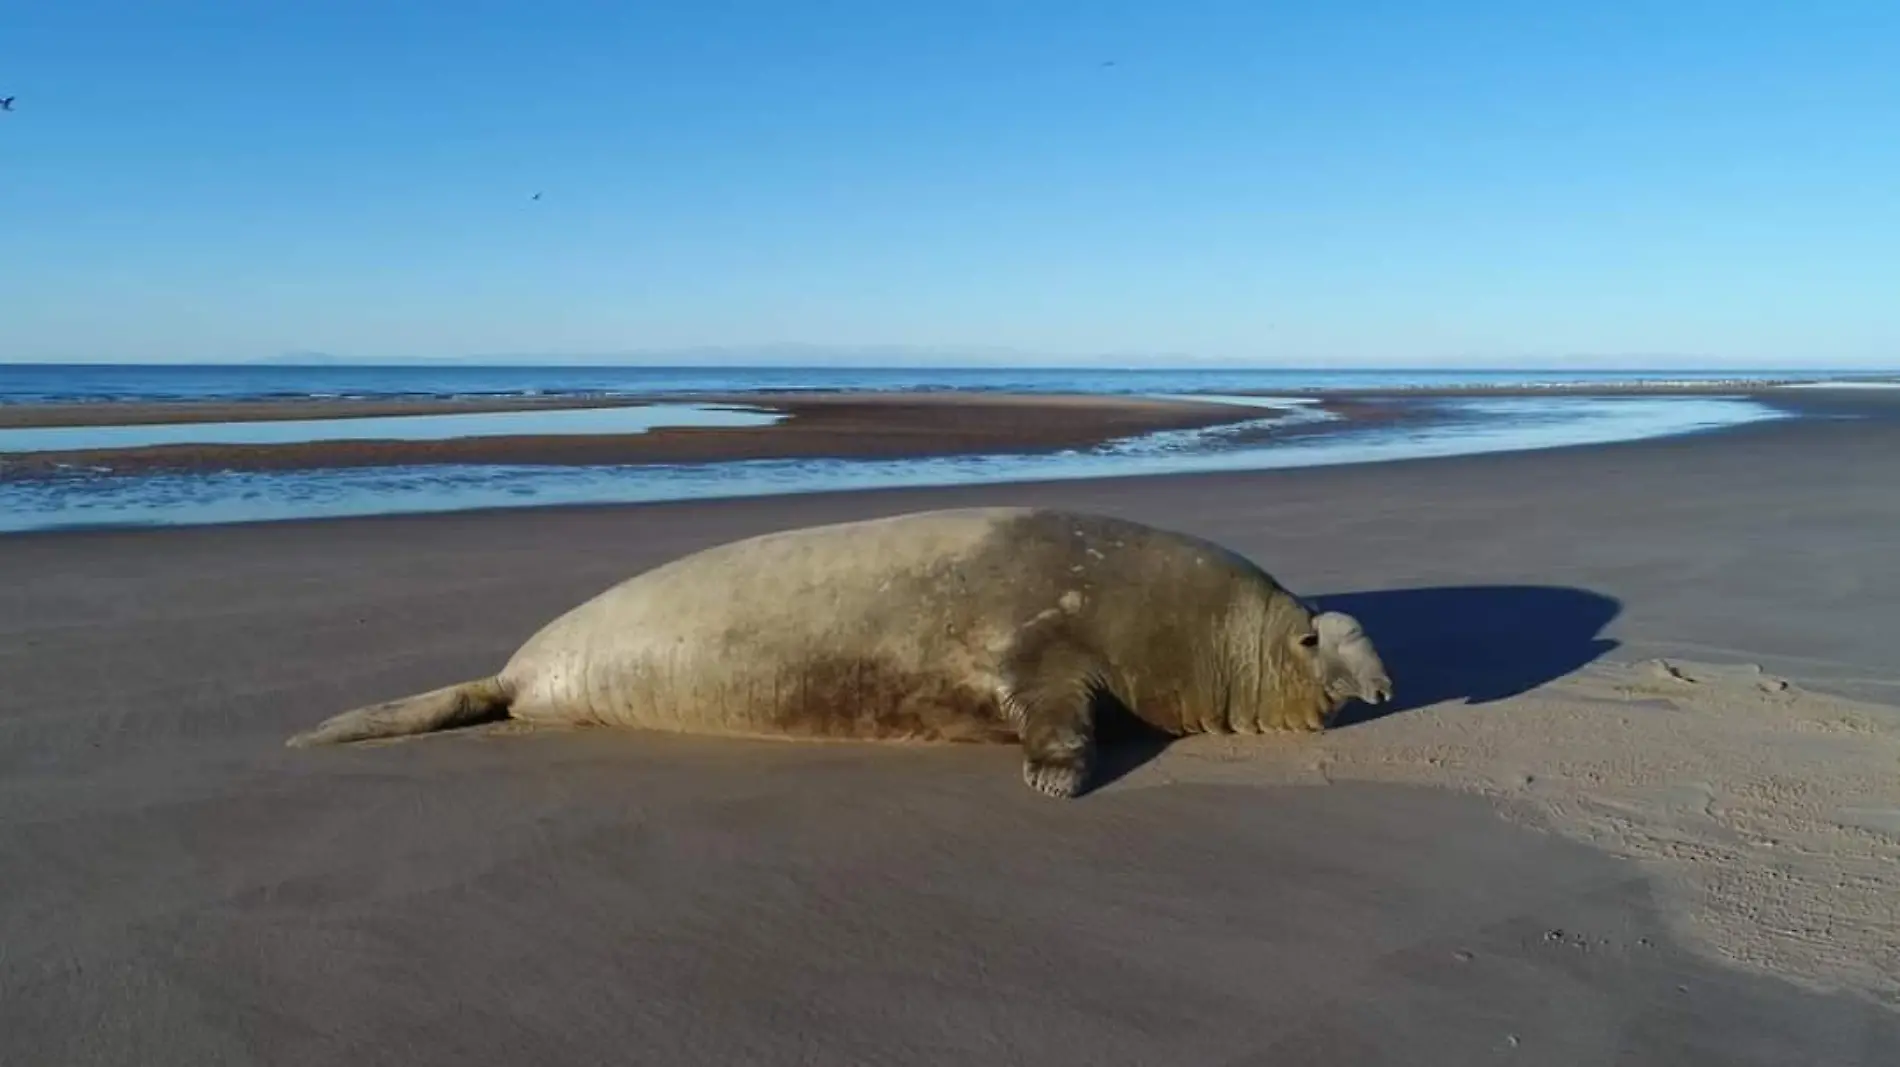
{"x": 1588, "y": 832}
{"x": 1770, "y": 816}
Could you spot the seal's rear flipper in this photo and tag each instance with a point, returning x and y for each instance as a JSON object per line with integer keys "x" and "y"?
{"x": 466, "y": 704}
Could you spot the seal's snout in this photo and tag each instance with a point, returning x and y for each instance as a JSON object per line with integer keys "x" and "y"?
{"x": 1367, "y": 688}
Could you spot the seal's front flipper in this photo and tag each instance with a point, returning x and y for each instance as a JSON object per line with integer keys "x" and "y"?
{"x": 439, "y": 709}
{"x": 1049, "y": 689}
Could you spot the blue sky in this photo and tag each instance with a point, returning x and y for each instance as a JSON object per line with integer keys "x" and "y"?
{"x": 1315, "y": 184}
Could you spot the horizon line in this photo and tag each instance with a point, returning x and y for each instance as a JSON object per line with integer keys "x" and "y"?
{"x": 843, "y": 359}
{"x": 1749, "y": 370}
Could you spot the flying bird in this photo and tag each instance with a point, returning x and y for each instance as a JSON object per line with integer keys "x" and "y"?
{"x": 6, "y": 103}
{"x": 536, "y": 196}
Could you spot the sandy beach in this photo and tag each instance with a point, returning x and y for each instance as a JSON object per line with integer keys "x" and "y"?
{"x": 1638, "y": 801}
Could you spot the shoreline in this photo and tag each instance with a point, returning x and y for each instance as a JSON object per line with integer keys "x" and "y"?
{"x": 813, "y": 425}
{"x": 184, "y": 412}
{"x": 1882, "y": 408}
{"x": 175, "y": 412}
{"x": 879, "y": 450}
{"x": 830, "y": 426}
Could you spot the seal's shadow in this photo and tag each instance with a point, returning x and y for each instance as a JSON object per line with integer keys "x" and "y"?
{"x": 1470, "y": 643}
{"x": 1122, "y": 741}
{"x": 1475, "y": 643}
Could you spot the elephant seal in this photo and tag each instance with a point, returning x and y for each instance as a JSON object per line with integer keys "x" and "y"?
{"x": 980, "y": 624}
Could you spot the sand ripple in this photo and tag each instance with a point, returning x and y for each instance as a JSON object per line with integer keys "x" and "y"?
{"x": 1769, "y": 814}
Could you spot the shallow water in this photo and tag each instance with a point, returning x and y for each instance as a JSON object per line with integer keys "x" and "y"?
{"x": 105, "y": 383}
{"x": 581, "y": 421}
{"x": 1448, "y": 427}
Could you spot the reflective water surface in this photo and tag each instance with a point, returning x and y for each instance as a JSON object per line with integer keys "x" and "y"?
{"x": 582, "y": 421}
{"x": 1445, "y": 427}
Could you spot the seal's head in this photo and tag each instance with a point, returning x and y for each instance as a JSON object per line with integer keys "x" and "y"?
{"x": 1343, "y": 661}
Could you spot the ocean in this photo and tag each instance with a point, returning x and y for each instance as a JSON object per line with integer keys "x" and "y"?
{"x": 1446, "y": 426}
{"x": 39, "y": 383}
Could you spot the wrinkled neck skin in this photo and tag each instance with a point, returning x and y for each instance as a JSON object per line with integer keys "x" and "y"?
{"x": 1263, "y": 683}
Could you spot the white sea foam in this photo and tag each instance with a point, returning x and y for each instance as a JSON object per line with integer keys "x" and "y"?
{"x": 1847, "y": 383}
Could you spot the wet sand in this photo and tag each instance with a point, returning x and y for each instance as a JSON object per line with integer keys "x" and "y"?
{"x": 836, "y": 425}
{"x": 817, "y": 425}
{"x": 1552, "y": 851}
